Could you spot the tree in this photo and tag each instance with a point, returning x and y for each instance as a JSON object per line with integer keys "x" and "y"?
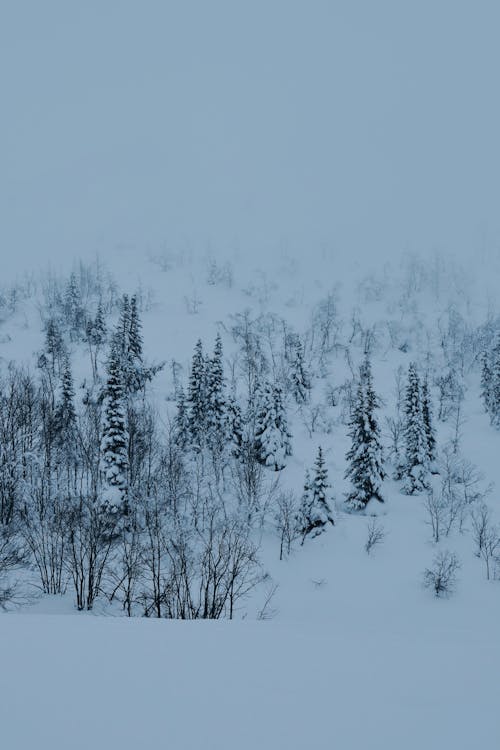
{"x": 216, "y": 416}
{"x": 301, "y": 382}
{"x": 486, "y": 381}
{"x": 181, "y": 422}
{"x": 114, "y": 445}
{"x": 417, "y": 460}
{"x": 197, "y": 401}
{"x": 272, "y": 439}
{"x": 428, "y": 423}
{"x": 96, "y": 336}
{"x": 365, "y": 457}
{"x": 315, "y": 512}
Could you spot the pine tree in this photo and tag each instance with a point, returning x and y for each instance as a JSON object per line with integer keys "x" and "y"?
{"x": 96, "y": 336}
{"x": 315, "y": 512}
{"x": 486, "y": 381}
{"x": 73, "y": 306}
{"x": 494, "y": 393}
{"x": 215, "y": 399}
{"x": 235, "y": 426}
{"x": 197, "y": 402}
{"x": 428, "y": 423}
{"x": 134, "y": 334}
{"x": 181, "y": 423}
{"x": 417, "y": 461}
{"x": 114, "y": 446}
{"x": 54, "y": 344}
{"x": 365, "y": 457}
{"x": 65, "y": 415}
{"x": 300, "y": 380}
{"x": 272, "y": 438}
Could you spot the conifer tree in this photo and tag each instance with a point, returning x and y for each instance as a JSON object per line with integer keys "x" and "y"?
{"x": 216, "y": 416}
{"x": 300, "y": 380}
{"x": 486, "y": 381}
{"x": 315, "y": 512}
{"x": 114, "y": 446}
{"x": 134, "y": 335}
{"x": 272, "y": 438}
{"x": 181, "y": 423}
{"x": 65, "y": 415}
{"x": 428, "y": 423}
{"x": 494, "y": 391}
{"x": 197, "y": 401}
{"x": 417, "y": 460}
{"x": 365, "y": 456}
{"x": 235, "y": 426}
{"x": 73, "y": 306}
{"x": 54, "y": 344}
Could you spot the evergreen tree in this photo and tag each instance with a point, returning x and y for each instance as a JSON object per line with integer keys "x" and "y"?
{"x": 134, "y": 335}
{"x": 181, "y": 423}
{"x": 494, "y": 391}
{"x": 114, "y": 446}
{"x": 315, "y": 512}
{"x": 486, "y": 381}
{"x": 365, "y": 457}
{"x": 96, "y": 335}
{"x": 73, "y": 306}
{"x": 197, "y": 401}
{"x": 417, "y": 459}
{"x": 272, "y": 438}
{"x": 235, "y": 426}
{"x": 300, "y": 380}
{"x": 54, "y": 344}
{"x": 428, "y": 423}
{"x": 65, "y": 420}
{"x": 216, "y": 416}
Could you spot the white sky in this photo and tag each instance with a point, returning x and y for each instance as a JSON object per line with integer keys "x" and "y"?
{"x": 369, "y": 126}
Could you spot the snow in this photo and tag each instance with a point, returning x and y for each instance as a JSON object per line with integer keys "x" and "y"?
{"x": 114, "y": 683}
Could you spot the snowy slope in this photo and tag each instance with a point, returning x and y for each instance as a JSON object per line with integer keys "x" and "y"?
{"x": 107, "y": 683}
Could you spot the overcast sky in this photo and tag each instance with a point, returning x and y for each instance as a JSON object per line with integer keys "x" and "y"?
{"x": 371, "y": 126}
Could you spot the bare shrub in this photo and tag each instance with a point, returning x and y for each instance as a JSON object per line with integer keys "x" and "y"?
{"x": 442, "y": 577}
{"x": 375, "y": 535}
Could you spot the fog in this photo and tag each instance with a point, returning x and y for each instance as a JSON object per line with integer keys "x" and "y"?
{"x": 361, "y": 127}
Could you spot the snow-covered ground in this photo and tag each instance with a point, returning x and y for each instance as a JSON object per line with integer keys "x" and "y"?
{"x": 94, "y": 682}
{"x": 356, "y": 652}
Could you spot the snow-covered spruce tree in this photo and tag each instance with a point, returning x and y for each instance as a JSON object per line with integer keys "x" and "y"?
{"x": 235, "y": 426}
{"x": 54, "y": 344}
{"x": 365, "y": 457}
{"x": 486, "y": 381}
{"x": 299, "y": 376}
{"x": 427, "y": 415}
{"x": 494, "y": 393}
{"x": 114, "y": 444}
{"x": 96, "y": 336}
{"x": 416, "y": 459}
{"x": 181, "y": 421}
{"x": 196, "y": 400}
{"x": 315, "y": 513}
{"x": 73, "y": 306}
{"x": 217, "y": 418}
{"x": 272, "y": 438}
{"x": 135, "y": 335}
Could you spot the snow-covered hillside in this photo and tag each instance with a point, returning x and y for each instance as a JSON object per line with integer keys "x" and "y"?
{"x": 339, "y": 628}
{"x": 249, "y": 374}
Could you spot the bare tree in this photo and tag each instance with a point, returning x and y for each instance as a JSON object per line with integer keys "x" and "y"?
{"x": 375, "y": 535}
{"x": 442, "y": 577}
{"x": 486, "y": 537}
{"x": 286, "y": 521}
